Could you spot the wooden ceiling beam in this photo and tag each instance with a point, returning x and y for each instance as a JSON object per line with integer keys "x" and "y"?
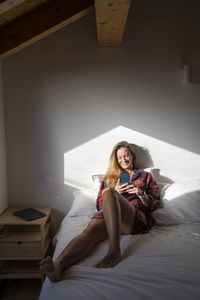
{"x": 44, "y": 20}
{"x": 111, "y": 17}
{"x": 11, "y": 10}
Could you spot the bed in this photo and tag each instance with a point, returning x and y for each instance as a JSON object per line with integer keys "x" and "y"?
{"x": 161, "y": 264}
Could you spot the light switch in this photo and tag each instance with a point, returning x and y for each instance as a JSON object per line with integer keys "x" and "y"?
{"x": 47, "y": 178}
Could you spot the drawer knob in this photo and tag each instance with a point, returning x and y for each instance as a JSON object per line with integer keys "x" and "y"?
{"x": 19, "y": 243}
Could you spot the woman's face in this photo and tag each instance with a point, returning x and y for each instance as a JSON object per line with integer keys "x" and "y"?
{"x": 124, "y": 159}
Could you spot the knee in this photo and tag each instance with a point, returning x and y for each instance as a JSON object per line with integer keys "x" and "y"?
{"x": 109, "y": 194}
{"x": 107, "y": 191}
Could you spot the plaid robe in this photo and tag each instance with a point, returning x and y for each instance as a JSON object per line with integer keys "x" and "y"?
{"x": 145, "y": 181}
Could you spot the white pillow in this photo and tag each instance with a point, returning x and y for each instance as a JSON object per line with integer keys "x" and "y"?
{"x": 181, "y": 203}
{"x": 162, "y": 186}
{"x": 97, "y": 178}
{"x": 84, "y": 204}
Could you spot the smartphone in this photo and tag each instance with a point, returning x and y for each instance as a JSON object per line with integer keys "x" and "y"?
{"x": 124, "y": 178}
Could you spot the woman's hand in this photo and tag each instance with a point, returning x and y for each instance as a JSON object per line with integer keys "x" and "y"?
{"x": 121, "y": 188}
{"x": 133, "y": 189}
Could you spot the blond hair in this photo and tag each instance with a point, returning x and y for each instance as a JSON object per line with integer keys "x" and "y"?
{"x": 114, "y": 169}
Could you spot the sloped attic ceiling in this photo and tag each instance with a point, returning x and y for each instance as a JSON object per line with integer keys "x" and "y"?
{"x": 23, "y": 22}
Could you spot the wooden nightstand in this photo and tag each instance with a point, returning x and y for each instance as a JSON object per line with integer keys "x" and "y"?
{"x": 23, "y": 244}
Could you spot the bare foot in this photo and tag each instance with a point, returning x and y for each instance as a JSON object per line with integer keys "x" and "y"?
{"x": 109, "y": 261}
{"x": 51, "y": 269}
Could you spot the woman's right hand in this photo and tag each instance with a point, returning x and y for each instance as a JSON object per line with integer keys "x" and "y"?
{"x": 121, "y": 188}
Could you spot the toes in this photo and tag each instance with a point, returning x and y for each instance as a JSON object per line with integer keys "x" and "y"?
{"x": 47, "y": 265}
{"x": 46, "y": 260}
{"x": 51, "y": 269}
{"x": 42, "y": 263}
{"x": 49, "y": 258}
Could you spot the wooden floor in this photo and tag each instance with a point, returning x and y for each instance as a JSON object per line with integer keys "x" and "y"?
{"x": 28, "y": 289}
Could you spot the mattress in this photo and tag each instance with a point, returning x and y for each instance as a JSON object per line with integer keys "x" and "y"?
{"x": 162, "y": 264}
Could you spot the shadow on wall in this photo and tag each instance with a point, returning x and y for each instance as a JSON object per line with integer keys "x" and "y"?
{"x": 143, "y": 157}
{"x": 160, "y": 178}
{"x": 144, "y": 161}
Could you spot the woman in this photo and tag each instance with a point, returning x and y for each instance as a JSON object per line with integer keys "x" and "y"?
{"x": 121, "y": 209}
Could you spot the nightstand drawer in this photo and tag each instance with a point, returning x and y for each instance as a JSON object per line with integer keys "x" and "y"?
{"x": 21, "y": 250}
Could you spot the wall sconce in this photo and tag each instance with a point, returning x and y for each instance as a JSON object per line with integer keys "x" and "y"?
{"x": 187, "y": 74}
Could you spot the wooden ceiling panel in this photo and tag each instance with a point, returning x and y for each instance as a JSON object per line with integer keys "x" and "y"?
{"x": 41, "y": 22}
{"x": 111, "y": 16}
{"x": 23, "y": 22}
{"x": 10, "y": 10}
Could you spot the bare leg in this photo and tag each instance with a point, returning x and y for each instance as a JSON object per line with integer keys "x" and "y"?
{"x": 119, "y": 216}
{"x": 76, "y": 250}
{"x": 119, "y": 219}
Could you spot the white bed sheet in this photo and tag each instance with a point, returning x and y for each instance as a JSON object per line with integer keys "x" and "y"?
{"x": 162, "y": 264}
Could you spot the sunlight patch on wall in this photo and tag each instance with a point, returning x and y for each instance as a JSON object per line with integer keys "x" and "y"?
{"x": 168, "y": 163}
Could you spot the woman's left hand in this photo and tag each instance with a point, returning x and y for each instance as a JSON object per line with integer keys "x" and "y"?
{"x": 133, "y": 189}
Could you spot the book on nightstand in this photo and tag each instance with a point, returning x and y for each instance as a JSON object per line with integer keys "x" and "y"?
{"x": 29, "y": 214}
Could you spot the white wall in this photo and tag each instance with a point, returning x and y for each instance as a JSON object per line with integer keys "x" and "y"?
{"x": 64, "y": 91}
{"x": 3, "y": 174}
